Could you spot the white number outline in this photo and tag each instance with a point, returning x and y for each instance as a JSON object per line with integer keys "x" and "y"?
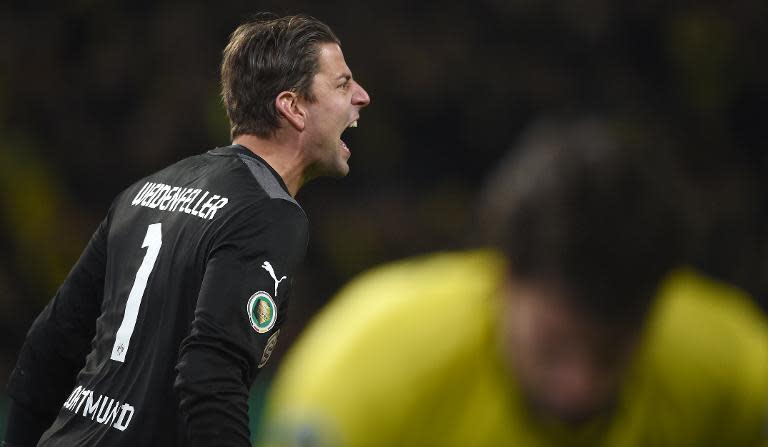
{"x": 153, "y": 240}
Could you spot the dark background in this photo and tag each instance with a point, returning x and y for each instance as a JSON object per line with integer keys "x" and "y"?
{"x": 94, "y": 94}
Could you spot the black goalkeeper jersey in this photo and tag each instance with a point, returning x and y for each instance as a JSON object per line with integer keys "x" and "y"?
{"x": 159, "y": 330}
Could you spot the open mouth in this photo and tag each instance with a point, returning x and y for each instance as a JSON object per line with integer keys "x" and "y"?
{"x": 350, "y": 125}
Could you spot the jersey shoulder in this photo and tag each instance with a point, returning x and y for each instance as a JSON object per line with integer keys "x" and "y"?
{"x": 415, "y": 299}
{"x": 222, "y": 183}
{"x": 391, "y": 335}
{"x": 706, "y": 357}
{"x": 233, "y": 168}
{"x": 709, "y": 324}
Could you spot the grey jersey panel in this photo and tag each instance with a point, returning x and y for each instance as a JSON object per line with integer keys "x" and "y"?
{"x": 267, "y": 179}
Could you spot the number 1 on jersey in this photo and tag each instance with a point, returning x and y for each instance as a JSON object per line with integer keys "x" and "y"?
{"x": 153, "y": 240}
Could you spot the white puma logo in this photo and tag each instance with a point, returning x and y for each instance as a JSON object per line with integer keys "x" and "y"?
{"x": 268, "y": 267}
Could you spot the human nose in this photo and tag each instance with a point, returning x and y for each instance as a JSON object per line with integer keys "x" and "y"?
{"x": 361, "y": 98}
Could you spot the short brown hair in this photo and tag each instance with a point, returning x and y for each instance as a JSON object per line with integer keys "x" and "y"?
{"x": 266, "y": 56}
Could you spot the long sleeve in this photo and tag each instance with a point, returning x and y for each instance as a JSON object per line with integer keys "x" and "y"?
{"x": 241, "y": 305}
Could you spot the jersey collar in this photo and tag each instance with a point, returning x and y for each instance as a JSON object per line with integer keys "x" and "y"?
{"x": 237, "y": 149}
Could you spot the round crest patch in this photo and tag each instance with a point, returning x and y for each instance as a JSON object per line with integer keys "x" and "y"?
{"x": 261, "y": 311}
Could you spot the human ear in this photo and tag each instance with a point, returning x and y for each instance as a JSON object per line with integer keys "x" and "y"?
{"x": 289, "y": 106}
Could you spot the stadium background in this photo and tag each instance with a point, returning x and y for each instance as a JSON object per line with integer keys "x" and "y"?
{"x": 95, "y": 94}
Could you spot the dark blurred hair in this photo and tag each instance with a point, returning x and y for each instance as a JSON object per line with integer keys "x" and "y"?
{"x": 264, "y": 57}
{"x": 578, "y": 203}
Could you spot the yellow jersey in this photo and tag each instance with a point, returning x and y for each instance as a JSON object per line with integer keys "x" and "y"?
{"x": 408, "y": 355}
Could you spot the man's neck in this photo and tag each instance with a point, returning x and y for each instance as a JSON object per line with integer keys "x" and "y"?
{"x": 282, "y": 156}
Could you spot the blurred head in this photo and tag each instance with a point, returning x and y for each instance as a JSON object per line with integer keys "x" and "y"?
{"x": 290, "y": 71}
{"x": 586, "y": 220}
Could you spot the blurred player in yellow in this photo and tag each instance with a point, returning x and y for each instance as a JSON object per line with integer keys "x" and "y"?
{"x": 576, "y": 330}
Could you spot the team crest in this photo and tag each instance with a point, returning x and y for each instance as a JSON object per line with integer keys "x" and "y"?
{"x": 271, "y": 343}
{"x": 262, "y": 312}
